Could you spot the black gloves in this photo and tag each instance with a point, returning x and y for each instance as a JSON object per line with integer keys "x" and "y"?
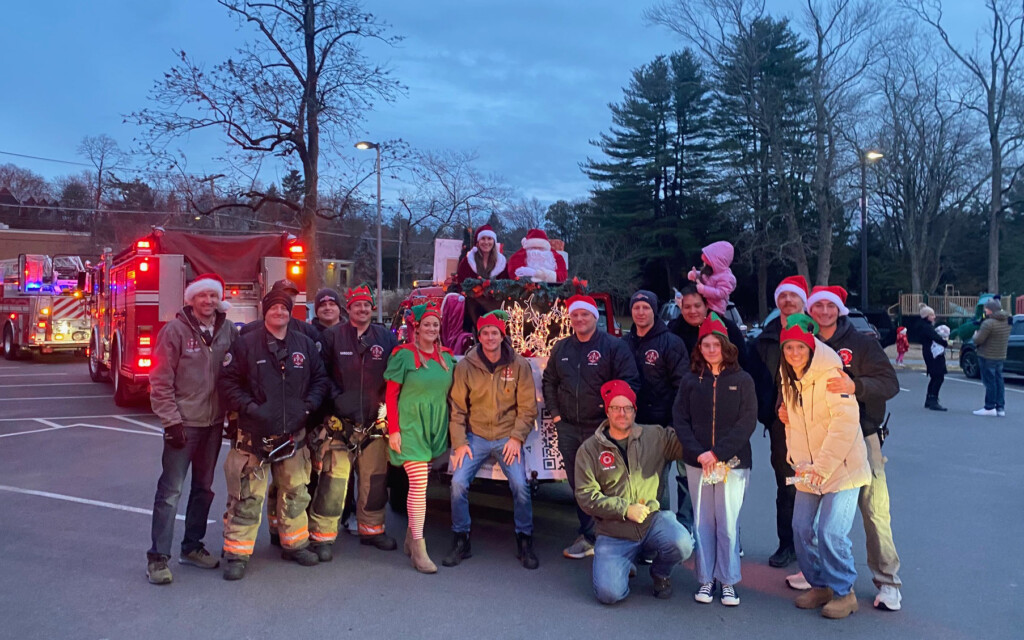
{"x": 174, "y": 436}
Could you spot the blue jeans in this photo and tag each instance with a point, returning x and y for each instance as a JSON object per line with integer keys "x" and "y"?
{"x": 823, "y": 548}
{"x": 716, "y": 510}
{"x": 992, "y": 378}
{"x": 200, "y": 451}
{"x": 483, "y": 449}
{"x": 613, "y": 557}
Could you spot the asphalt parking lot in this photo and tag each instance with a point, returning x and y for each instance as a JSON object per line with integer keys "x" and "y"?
{"x": 77, "y": 477}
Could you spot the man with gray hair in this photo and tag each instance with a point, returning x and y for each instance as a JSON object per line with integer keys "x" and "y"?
{"x": 991, "y": 341}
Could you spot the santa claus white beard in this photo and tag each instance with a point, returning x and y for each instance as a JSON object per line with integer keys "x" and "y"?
{"x": 541, "y": 259}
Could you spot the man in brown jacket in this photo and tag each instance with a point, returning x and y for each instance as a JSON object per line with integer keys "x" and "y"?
{"x": 991, "y": 340}
{"x": 493, "y": 409}
{"x": 189, "y": 352}
{"x": 617, "y": 476}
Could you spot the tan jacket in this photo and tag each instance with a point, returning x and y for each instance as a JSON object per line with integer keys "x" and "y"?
{"x": 606, "y": 484}
{"x": 495, "y": 405}
{"x": 183, "y": 382}
{"x": 824, "y": 428}
{"x": 992, "y": 338}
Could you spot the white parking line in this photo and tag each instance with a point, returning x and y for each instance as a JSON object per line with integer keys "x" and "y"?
{"x": 30, "y": 375}
{"x": 45, "y": 384}
{"x": 95, "y": 503}
{"x": 130, "y": 415}
{"x": 106, "y": 395}
{"x": 140, "y": 423}
{"x": 980, "y": 384}
{"x": 25, "y": 433}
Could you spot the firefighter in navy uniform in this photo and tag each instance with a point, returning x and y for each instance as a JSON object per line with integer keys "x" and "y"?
{"x": 355, "y": 356}
{"x": 274, "y": 378}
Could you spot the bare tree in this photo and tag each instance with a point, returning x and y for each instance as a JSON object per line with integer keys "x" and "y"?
{"x": 993, "y": 68}
{"x": 302, "y": 83}
{"x": 105, "y": 155}
{"x": 23, "y": 183}
{"x": 525, "y": 214}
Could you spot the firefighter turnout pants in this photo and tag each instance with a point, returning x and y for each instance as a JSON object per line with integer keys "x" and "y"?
{"x": 371, "y": 464}
{"x": 246, "y": 477}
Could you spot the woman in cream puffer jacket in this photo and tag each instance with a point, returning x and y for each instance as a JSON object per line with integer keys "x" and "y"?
{"x": 826, "y": 448}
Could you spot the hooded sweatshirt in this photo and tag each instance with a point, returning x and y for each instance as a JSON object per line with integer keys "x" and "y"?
{"x": 662, "y": 361}
{"x": 721, "y": 283}
{"x": 993, "y": 336}
{"x": 824, "y": 431}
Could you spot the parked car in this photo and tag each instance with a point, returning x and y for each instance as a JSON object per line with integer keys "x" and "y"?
{"x": 1014, "y": 352}
{"x": 856, "y": 318}
{"x": 670, "y": 311}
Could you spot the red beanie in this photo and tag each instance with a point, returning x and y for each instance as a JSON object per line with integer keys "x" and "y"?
{"x": 613, "y": 388}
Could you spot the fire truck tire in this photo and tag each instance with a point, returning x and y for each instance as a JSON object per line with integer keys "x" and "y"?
{"x": 97, "y": 371}
{"x": 11, "y": 349}
{"x": 122, "y": 393}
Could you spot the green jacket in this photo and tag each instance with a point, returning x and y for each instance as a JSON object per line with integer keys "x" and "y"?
{"x": 495, "y": 405}
{"x": 606, "y": 484}
{"x": 993, "y": 336}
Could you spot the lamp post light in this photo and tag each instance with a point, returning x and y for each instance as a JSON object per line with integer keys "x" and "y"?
{"x": 364, "y": 145}
{"x": 866, "y": 158}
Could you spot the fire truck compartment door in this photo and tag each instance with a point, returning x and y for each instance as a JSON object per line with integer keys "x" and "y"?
{"x": 172, "y": 286}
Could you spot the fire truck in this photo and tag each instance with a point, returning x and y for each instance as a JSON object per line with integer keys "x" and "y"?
{"x": 133, "y": 293}
{"x": 42, "y": 309}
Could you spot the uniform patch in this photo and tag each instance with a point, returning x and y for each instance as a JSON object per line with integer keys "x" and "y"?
{"x": 507, "y": 375}
{"x": 651, "y": 357}
{"x": 344, "y": 353}
{"x": 298, "y": 359}
{"x": 227, "y": 359}
{"x": 607, "y": 460}
{"x": 594, "y": 357}
{"x": 376, "y": 352}
{"x": 846, "y": 355}
{"x": 191, "y": 345}
{"x": 732, "y": 388}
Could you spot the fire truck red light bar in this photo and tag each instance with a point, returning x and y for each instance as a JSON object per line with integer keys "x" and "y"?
{"x": 145, "y": 363}
{"x": 142, "y": 244}
{"x": 296, "y": 248}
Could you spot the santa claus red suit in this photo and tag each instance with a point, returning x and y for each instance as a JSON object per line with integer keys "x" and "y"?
{"x": 536, "y": 261}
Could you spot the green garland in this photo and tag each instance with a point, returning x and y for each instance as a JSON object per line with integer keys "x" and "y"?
{"x": 500, "y": 290}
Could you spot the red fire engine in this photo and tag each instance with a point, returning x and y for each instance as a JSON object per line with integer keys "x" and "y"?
{"x": 135, "y": 292}
{"x": 41, "y": 306}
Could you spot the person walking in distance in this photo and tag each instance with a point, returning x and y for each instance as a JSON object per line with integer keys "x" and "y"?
{"x": 576, "y": 369}
{"x": 183, "y": 394}
{"x": 493, "y": 410}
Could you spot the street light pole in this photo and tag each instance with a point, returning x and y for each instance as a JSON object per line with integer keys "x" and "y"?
{"x": 380, "y": 271}
{"x": 865, "y": 158}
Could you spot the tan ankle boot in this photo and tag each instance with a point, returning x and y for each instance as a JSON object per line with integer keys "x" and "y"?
{"x": 840, "y": 607}
{"x": 814, "y": 598}
{"x": 420, "y": 560}
{"x": 408, "y": 539}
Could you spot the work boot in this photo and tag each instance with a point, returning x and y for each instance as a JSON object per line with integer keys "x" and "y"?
{"x": 840, "y": 607}
{"x": 275, "y": 539}
{"x": 816, "y": 597}
{"x": 783, "y": 557}
{"x": 524, "y": 551}
{"x": 461, "y": 550}
{"x": 303, "y": 556}
{"x": 234, "y": 568}
{"x": 156, "y": 569}
{"x": 420, "y": 560}
{"x": 382, "y": 541}
{"x": 662, "y": 587}
{"x": 323, "y": 551}
{"x": 932, "y": 402}
{"x": 199, "y": 558}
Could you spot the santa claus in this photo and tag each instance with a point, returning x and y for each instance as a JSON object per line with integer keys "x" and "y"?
{"x": 536, "y": 261}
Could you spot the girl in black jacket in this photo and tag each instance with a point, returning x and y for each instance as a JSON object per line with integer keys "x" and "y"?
{"x": 714, "y": 416}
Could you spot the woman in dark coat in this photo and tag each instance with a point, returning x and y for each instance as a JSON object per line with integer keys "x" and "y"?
{"x": 936, "y": 367}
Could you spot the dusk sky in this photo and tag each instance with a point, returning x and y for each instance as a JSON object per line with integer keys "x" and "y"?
{"x": 523, "y": 83}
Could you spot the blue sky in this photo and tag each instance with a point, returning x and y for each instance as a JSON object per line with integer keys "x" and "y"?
{"x": 524, "y": 83}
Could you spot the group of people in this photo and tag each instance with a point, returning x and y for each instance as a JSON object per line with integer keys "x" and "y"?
{"x": 344, "y": 397}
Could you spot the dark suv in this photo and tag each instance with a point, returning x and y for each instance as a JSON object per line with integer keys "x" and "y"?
{"x": 1014, "y": 352}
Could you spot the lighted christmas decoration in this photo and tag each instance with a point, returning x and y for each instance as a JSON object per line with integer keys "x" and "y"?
{"x": 508, "y": 290}
{"x": 533, "y": 332}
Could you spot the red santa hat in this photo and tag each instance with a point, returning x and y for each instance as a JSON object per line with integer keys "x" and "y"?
{"x": 486, "y": 231}
{"x": 796, "y": 284}
{"x": 207, "y": 282}
{"x": 835, "y": 295}
{"x": 586, "y": 303}
{"x": 536, "y": 239}
{"x": 614, "y": 388}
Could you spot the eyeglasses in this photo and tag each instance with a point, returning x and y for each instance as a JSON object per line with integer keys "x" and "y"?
{"x": 626, "y": 410}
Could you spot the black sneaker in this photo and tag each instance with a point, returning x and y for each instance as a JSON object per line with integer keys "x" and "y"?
{"x": 524, "y": 551}
{"x": 662, "y": 587}
{"x": 234, "y": 569}
{"x": 303, "y": 556}
{"x": 157, "y": 571}
{"x": 783, "y": 557}
{"x": 323, "y": 551}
